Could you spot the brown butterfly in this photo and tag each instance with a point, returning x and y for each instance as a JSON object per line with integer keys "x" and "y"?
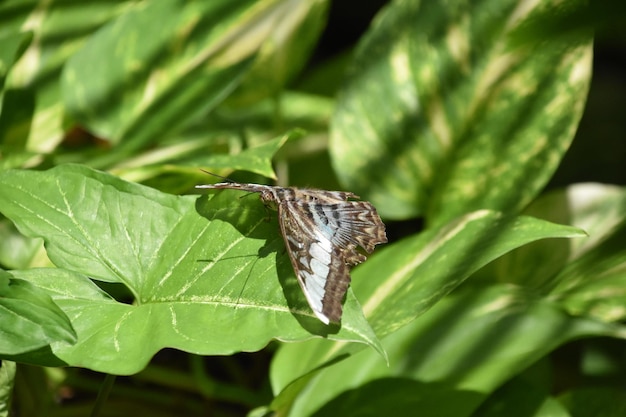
{"x": 321, "y": 230}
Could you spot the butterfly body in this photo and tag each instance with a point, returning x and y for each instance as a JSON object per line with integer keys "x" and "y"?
{"x": 322, "y": 231}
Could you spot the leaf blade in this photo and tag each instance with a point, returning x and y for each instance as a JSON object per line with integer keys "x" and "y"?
{"x": 471, "y": 119}
{"x": 192, "y": 263}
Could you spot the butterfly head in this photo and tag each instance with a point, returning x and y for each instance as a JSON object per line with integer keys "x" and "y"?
{"x": 269, "y": 198}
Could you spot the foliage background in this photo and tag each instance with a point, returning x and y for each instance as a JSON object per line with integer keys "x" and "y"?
{"x": 574, "y": 377}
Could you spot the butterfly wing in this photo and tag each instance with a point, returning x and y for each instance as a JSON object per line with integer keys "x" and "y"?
{"x": 321, "y": 230}
{"x": 319, "y": 264}
{"x": 355, "y": 222}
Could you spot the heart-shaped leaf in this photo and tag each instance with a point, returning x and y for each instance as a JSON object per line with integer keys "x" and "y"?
{"x": 208, "y": 276}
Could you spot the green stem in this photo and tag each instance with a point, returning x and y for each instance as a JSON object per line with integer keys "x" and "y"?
{"x": 103, "y": 394}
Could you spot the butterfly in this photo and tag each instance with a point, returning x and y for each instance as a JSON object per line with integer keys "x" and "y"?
{"x": 322, "y": 231}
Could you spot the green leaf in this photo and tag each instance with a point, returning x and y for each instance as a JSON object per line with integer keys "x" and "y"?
{"x": 30, "y": 319}
{"x": 11, "y": 46}
{"x": 208, "y": 276}
{"x": 593, "y": 281}
{"x": 16, "y": 250}
{"x": 473, "y": 340}
{"x": 451, "y": 114}
{"x": 426, "y": 267}
{"x": 59, "y": 30}
{"x": 170, "y": 62}
{"x": 229, "y": 139}
{"x": 257, "y": 159}
{"x": 404, "y": 280}
{"x": 286, "y": 50}
{"x": 166, "y": 66}
{"x": 586, "y": 276}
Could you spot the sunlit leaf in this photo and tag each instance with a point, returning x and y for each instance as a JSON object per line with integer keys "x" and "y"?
{"x": 451, "y": 113}
{"x": 59, "y": 30}
{"x": 208, "y": 276}
{"x": 471, "y": 341}
{"x": 170, "y": 62}
{"x": 404, "y": 280}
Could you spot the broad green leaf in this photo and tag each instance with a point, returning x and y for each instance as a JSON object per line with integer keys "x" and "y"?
{"x": 471, "y": 341}
{"x": 428, "y": 266}
{"x": 229, "y": 138}
{"x": 58, "y": 30}
{"x": 170, "y": 63}
{"x": 446, "y": 111}
{"x": 404, "y": 280}
{"x": 29, "y": 318}
{"x": 208, "y": 276}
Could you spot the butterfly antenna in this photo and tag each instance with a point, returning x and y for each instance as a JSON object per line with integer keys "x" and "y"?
{"x": 215, "y": 175}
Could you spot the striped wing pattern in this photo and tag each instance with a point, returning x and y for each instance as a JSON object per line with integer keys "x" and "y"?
{"x": 322, "y": 231}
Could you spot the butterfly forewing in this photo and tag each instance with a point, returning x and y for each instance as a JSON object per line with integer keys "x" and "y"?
{"x": 321, "y": 230}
